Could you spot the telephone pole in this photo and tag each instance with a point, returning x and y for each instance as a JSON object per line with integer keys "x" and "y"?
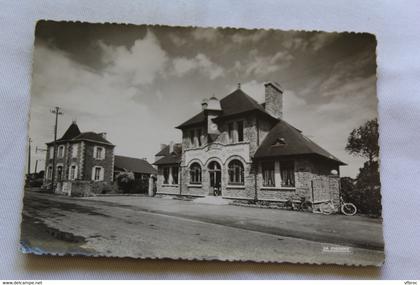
{"x": 57, "y": 112}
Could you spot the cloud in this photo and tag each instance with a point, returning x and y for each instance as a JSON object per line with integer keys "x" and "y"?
{"x": 205, "y": 34}
{"x": 177, "y": 41}
{"x": 200, "y": 62}
{"x": 263, "y": 65}
{"x": 322, "y": 39}
{"x": 254, "y": 89}
{"x": 254, "y": 36}
{"x": 140, "y": 64}
{"x": 99, "y": 100}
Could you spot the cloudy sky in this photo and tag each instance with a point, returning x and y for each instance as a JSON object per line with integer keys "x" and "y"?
{"x": 138, "y": 82}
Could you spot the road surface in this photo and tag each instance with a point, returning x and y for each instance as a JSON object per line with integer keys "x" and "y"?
{"x": 143, "y": 227}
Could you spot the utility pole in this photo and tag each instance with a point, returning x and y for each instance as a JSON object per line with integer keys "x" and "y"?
{"x": 57, "y": 112}
{"x": 29, "y": 156}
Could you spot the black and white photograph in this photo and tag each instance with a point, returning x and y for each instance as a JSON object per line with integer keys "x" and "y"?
{"x": 203, "y": 143}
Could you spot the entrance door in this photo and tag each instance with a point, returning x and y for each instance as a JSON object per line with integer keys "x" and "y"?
{"x": 215, "y": 172}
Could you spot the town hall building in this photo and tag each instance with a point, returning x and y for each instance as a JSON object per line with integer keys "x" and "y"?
{"x": 240, "y": 149}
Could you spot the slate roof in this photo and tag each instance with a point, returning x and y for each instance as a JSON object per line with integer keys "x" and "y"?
{"x": 133, "y": 164}
{"x": 170, "y": 158}
{"x": 284, "y": 139}
{"x": 72, "y": 131}
{"x": 91, "y": 136}
{"x": 233, "y": 104}
{"x": 73, "y": 134}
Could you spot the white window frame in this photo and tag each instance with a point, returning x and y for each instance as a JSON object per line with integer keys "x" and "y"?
{"x": 101, "y": 173}
{"x": 62, "y": 172}
{"x": 76, "y": 174}
{"x": 95, "y": 149}
{"x": 49, "y": 172}
{"x": 74, "y": 150}
{"x": 62, "y": 153}
{"x": 51, "y": 152}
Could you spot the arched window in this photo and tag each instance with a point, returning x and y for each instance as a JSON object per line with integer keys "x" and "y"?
{"x": 236, "y": 172}
{"x": 195, "y": 173}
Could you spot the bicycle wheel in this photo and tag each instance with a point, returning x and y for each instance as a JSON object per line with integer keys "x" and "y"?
{"x": 306, "y": 206}
{"x": 348, "y": 209}
{"x": 326, "y": 209}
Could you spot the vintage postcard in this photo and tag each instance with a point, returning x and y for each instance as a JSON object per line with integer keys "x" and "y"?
{"x": 203, "y": 144}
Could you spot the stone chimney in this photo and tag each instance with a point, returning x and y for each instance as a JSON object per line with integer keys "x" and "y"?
{"x": 103, "y": 135}
{"x": 171, "y": 147}
{"x": 274, "y": 99}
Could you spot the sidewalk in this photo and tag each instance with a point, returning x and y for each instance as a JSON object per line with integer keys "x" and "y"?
{"x": 353, "y": 231}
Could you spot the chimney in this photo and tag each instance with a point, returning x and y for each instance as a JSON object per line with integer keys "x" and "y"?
{"x": 103, "y": 135}
{"x": 274, "y": 99}
{"x": 204, "y": 104}
{"x": 171, "y": 147}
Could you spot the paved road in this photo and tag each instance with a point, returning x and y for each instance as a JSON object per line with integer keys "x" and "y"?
{"x": 61, "y": 225}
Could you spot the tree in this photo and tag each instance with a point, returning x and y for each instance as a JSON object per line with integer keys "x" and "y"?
{"x": 363, "y": 141}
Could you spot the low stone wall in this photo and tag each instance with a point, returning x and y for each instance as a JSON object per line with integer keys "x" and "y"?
{"x": 194, "y": 190}
{"x": 81, "y": 188}
{"x": 168, "y": 189}
{"x": 275, "y": 194}
{"x": 237, "y": 192}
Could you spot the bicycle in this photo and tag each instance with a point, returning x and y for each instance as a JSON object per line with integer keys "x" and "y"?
{"x": 347, "y": 208}
{"x": 299, "y": 203}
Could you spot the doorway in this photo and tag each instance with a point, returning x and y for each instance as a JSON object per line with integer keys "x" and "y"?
{"x": 215, "y": 172}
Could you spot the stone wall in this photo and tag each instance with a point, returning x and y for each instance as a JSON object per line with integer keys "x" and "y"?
{"x": 313, "y": 180}
{"x": 90, "y": 162}
{"x": 80, "y": 188}
{"x": 162, "y": 188}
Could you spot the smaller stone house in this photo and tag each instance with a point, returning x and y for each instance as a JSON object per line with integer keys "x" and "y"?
{"x": 141, "y": 169}
{"x": 168, "y": 160}
{"x": 81, "y": 158}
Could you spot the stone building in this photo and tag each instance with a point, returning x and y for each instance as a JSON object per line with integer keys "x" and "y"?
{"x": 141, "y": 169}
{"x": 81, "y": 159}
{"x": 246, "y": 150}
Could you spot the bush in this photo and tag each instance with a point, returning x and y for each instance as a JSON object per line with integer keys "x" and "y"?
{"x": 125, "y": 181}
{"x": 366, "y": 198}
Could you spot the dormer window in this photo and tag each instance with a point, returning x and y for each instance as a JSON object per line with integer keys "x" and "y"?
{"x": 279, "y": 142}
{"x": 199, "y": 137}
{"x": 192, "y": 140}
{"x": 236, "y": 131}
{"x": 231, "y": 133}
{"x": 99, "y": 152}
{"x": 240, "y": 128}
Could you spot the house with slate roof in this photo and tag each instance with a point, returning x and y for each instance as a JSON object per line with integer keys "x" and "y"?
{"x": 141, "y": 169}
{"x": 247, "y": 150}
{"x": 80, "y": 156}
